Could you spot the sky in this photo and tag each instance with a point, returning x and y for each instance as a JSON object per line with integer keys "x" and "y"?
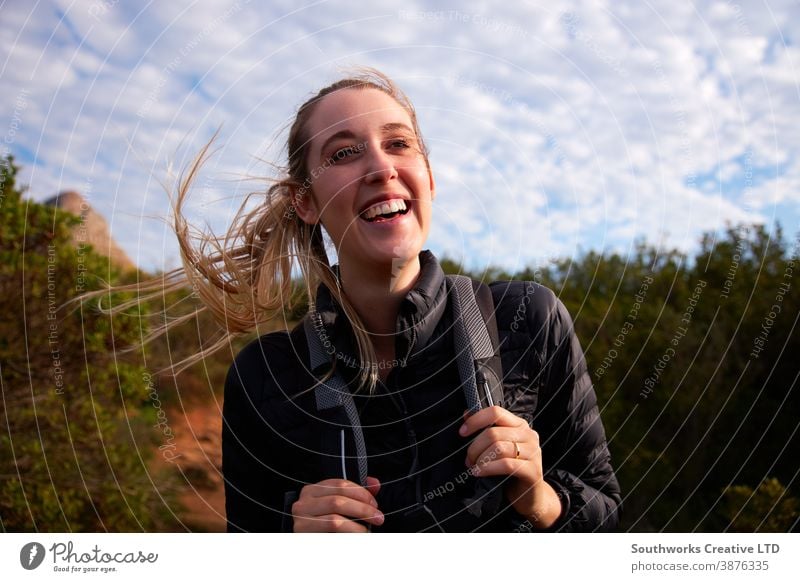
{"x": 555, "y": 128}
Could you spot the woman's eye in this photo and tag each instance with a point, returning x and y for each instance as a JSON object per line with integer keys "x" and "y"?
{"x": 343, "y": 153}
{"x": 399, "y": 143}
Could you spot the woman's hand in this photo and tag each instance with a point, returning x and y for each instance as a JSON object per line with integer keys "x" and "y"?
{"x": 333, "y": 505}
{"x": 506, "y": 445}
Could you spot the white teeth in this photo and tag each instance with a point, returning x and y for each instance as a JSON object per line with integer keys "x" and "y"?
{"x": 381, "y": 208}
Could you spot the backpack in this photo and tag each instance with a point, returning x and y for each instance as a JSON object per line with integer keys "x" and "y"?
{"x": 479, "y": 367}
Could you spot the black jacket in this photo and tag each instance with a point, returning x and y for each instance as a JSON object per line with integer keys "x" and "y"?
{"x": 272, "y": 432}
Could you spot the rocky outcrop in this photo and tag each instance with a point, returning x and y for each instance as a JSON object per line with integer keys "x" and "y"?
{"x": 93, "y": 228}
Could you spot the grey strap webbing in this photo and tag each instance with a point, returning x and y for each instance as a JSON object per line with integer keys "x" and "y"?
{"x": 333, "y": 392}
{"x": 471, "y": 338}
{"x": 474, "y": 350}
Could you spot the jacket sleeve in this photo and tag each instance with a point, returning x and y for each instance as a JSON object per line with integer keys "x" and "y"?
{"x": 574, "y": 449}
{"x": 255, "y": 492}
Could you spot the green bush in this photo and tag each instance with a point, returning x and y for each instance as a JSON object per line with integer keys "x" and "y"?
{"x": 75, "y": 454}
{"x": 768, "y": 508}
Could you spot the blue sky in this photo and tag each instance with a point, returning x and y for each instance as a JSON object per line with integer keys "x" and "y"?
{"x": 555, "y": 128}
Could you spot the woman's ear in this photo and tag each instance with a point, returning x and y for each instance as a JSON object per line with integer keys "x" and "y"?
{"x": 304, "y": 205}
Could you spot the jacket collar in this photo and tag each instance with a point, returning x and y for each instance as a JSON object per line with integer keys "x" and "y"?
{"x": 417, "y": 318}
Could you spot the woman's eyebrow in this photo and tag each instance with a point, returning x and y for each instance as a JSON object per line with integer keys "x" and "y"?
{"x": 343, "y": 134}
{"x": 390, "y": 127}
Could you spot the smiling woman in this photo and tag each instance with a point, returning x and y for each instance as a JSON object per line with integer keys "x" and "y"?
{"x": 374, "y": 200}
{"x": 404, "y": 400}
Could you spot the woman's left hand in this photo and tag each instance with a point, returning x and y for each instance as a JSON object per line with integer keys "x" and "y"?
{"x": 506, "y": 445}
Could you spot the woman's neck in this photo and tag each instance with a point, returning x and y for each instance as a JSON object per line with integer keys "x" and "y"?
{"x": 376, "y": 295}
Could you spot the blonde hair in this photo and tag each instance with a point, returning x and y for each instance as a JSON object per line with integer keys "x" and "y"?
{"x": 244, "y": 279}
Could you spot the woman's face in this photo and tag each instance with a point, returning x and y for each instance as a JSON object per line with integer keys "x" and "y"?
{"x": 370, "y": 185}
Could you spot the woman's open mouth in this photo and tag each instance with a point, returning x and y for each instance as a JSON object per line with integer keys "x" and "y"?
{"x": 385, "y": 211}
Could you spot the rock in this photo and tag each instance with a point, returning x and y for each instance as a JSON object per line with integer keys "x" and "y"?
{"x": 93, "y": 228}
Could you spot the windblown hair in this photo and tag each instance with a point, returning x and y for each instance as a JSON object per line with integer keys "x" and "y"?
{"x": 244, "y": 278}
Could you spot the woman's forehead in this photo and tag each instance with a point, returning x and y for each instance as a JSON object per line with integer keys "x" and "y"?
{"x": 357, "y": 110}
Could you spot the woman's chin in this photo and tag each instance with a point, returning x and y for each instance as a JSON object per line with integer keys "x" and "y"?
{"x": 391, "y": 250}
{"x": 386, "y": 257}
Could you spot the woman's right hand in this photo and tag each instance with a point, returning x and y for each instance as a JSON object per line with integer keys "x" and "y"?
{"x": 333, "y": 505}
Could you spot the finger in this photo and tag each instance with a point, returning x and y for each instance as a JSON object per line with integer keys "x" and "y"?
{"x": 502, "y": 466}
{"x": 373, "y": 486}
{"x": 501, "y": 459}
{"x": 348, "y": 508}
{"x": 334, "y": 487}
{"x": 337, "y": 505}
{"x": 502, "y": 449}
{"x": 485, "y": 443}
{"x": 328, "y": 523}
{"x": 487, "y": 417}
{"x": 503, "y": 437}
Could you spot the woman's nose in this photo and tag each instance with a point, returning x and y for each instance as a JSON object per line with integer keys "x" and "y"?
{"x": 380, "y": 165}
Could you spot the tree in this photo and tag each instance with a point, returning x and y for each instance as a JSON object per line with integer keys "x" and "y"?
{"x": 768, "y": 508}
{"x": 75, "y": 451}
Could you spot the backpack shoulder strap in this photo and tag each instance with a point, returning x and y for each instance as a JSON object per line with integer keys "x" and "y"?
{"x": 336, "y": 407}
{"x": 493, "y": 367}
{"x": 480, "y": 369}
{"x": 476, "y": 342}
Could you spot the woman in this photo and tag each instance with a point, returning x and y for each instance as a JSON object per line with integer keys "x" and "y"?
{"x": 385, "y": 320}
